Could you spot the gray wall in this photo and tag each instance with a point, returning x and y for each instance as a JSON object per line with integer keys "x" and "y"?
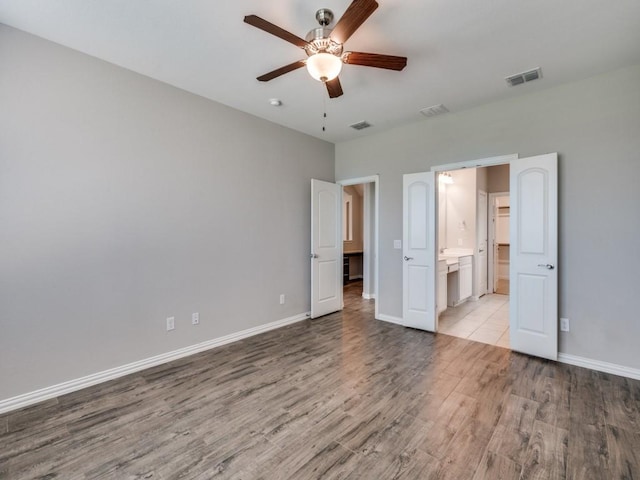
{"x": 123, "y": 201}
{"x": 594, "y": 125}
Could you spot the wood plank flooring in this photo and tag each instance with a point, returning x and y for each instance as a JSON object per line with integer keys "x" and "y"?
{"x": 341, "y": 397}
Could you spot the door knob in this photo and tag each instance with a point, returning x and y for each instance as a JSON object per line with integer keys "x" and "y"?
{"x": 313, "y": 255}
{"x": 547, "y": 265}
{"x": 408, "y": 258}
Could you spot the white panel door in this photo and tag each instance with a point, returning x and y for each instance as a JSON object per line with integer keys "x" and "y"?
{"x": 534, "y": 256}
{"x": 482, "y": 238}
{"x": 419, "y": 272}
{"x": 326, "y": 248}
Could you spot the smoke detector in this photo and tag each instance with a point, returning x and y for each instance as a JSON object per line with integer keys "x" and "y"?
{"x": 524, "y": 77}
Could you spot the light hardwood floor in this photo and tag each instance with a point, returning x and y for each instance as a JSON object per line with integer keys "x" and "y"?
{"x": 344, "y": 396}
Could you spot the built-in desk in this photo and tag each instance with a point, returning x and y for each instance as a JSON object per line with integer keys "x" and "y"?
{"x": 351, "y": 265}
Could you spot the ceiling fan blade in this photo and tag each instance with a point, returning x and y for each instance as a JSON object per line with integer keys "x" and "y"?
{"x": 377, "y": 60}
{"x": 334, "y": 88}
{"x": 269, "y": 27}
{"x": 281, "y": 71}
{"x": 356, "y": 14}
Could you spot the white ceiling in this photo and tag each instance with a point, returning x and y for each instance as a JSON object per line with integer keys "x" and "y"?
{"x": 459, "y": 51}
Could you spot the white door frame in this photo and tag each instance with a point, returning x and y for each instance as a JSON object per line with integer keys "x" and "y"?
{"x": 375, "y": 179}
{"x": 483, "y": 162}
{"x": 492, "y": 238}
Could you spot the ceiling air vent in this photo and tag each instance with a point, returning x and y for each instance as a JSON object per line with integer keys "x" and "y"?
{"x": 524, "y": 77}
{"x": 434, "y": 110}
{"x": 360, "y": 125}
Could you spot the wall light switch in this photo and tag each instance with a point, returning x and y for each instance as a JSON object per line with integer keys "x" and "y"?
{"x": 195, "y": 318}
{"x": 171, "y": 323}
{"x": 564, "y": 324}
{"x": 397, "y": 244}
{"x": 282, "y": 299}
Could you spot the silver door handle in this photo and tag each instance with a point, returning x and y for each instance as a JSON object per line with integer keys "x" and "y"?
{"x": 481, "y": 251}
{"x": 313, "y": 255}
{"x": 408, "y": 258}
{"x": 547, "y": 265}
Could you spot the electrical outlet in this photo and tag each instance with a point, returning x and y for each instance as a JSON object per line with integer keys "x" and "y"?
{"x": 564, "y": 324}
{"x": 195, "y": 318}
{"x": 171, "y": 323}
{"x": 282, "y": 299}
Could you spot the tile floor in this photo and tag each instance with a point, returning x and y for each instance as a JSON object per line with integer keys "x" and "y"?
{"x": 486, "y": 320}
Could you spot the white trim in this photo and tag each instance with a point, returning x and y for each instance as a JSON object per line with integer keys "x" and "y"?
{"x": 390, "y": 319}
{"x": 358, "y": 181}
{"x": 375, "y": 179}
{"x": 483, "y": 162}
{"x": 368, "y": 296}
{"x": 366, "y": 238}
{"x": 600, "y": 366}
{"x": 63, "y": 388}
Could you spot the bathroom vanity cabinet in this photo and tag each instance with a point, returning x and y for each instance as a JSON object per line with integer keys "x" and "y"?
{"x": 460, "y": 283}
{"x": 442, "y": 286}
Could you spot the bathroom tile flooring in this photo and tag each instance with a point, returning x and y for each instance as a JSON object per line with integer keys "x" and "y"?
{"x": 486, "y": 320}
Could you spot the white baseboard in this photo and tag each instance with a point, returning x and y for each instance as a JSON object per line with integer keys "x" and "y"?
{"x": 389, "y": 318}
{"x": 53, "y": 391}
{"x": 368, "y": 296}
{"x": 600, "y": 366}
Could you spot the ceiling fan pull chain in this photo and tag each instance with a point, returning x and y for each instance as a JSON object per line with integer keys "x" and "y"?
{"x": 324, "y": 116}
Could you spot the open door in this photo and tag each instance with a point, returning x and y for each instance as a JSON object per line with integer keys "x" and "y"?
{"x": 326, "y": 248}
{"x": 534, "y": 255}
{"x": 419, "y": 274}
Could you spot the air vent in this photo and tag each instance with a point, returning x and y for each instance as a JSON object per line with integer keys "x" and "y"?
{"x": 360, "y": 125}
{"x": 434, "y": 110}
{"x": 524, "y": 77}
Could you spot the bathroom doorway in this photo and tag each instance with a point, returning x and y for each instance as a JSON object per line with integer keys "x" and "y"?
{"x": 468, "y": 304}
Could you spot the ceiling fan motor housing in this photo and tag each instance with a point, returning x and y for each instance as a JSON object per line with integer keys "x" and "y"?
{"x": 318, "y": 38}
{"x": 319, "y": 42}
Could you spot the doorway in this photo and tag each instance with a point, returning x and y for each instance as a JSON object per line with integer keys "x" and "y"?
{"x": 327, "y": 243}
{"x": 499, "y": 242}
{"x": 533, "y": 278}
{"x": 358, "y": 236}
{"x": 465, "y": 239}
{"x": 353, "y": 240}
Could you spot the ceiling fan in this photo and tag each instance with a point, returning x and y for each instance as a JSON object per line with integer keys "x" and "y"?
{"x": 324, "y": 46}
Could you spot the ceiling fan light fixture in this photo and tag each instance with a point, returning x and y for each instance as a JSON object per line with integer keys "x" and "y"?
{"x": 324, "y": 67}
